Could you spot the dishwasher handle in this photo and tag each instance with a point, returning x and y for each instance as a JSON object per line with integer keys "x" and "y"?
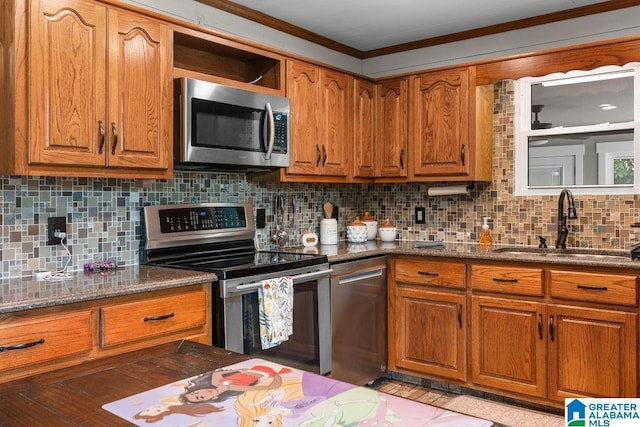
{"x": 349, "y": 278}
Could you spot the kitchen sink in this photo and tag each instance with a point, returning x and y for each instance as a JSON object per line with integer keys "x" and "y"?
{"x": 586, "y": 254}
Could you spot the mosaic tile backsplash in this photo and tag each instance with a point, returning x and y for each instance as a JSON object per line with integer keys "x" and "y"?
{"x": 104, "y": 215}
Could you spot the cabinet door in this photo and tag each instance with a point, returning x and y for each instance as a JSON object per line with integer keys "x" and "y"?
{"x": 140, "y": 92}
{"x": 591, "y": 353}
{"x": 364, "y": 125}
{"x": 508, "y": 345}
{"x": 391, "y": 128}
{"x": 440, "y": 116}
{"x": 67, "y": 75}
{"x": 430, "y": 332}
{"x": 337, "y": 124}
{"x": 303, "y": 90}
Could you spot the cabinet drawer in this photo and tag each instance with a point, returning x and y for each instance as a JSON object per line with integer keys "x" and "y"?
{"x": 127, "y": 322}
{"x": 508, "y": 280}
{"x": 594, "y": 287}
{"x": 44, "y": 338}
{"x": 432, "y": 273}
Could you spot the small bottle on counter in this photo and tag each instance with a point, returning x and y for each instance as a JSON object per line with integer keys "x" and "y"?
{"x": 485, "y": 233}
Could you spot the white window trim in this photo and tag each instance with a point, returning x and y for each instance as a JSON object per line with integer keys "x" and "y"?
{"x": 522, "y": 132}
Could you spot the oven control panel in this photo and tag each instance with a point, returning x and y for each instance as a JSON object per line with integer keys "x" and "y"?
{"x": 176, "y": 220}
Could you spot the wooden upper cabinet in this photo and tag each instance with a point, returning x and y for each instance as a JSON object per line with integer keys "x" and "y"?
{"x": 100, "y": 91}
{"x": 303, "y": 90}
{"x": 451, "y": 127}
{"x": 337, "y": 123}
{"x": 321, "y": 127}
{"x": 140, "y": 93}
{"x": 364, "y": 126}
{"x": 440, "y": 116}
{"x": 67, "y": 93}
{"x": 391, "y": 128}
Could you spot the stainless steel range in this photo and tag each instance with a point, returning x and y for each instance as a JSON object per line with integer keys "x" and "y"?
{"x": 220, "y": 238}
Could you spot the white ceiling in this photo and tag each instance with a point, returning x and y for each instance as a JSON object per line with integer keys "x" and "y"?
{"x": 372, "y": 24}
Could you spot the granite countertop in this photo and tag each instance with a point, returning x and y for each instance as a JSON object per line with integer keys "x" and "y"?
{"x": 345, "y": 251}
{"x": 25, "y": 293}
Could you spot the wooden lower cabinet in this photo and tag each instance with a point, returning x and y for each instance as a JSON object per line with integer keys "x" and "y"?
{"x": 45, "y": 339}
{"x": 429, "y": 332}
{"x": 592, "y": 353}
{"x": 508, "y": 345}
{"x": 553, "y": 351}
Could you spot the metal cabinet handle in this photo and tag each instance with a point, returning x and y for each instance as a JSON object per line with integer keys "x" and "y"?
{"x": 114, "y": 131}
{"x": 22, "y": 346}
{"x": 501, "y": 280}
{"x": 101, "y": 132}
{"x": 551, "y": 329}
{"x": 163, "y": 317}
{"x": 427, "y": 273}
{"x": 540, "y": 326}
{"x": 324, "y": 156}
{"x": 460, "y": 316}
{"x": 402, "y": 159}
{"x": 318, "y": 156}
{"x": 592, "y": 288}
{"x": 462, "y": 154}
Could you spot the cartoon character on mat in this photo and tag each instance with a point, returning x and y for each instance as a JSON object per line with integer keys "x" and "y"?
{"x": 155, "y": 413}
{"x": 223, "y": 384}
{"x": 292, "y": 399}
{"x": 358, "y": 406}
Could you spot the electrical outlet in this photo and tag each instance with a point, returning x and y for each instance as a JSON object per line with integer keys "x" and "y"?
{"x": 419, "y": 216}
{"x": 55, "y": 224}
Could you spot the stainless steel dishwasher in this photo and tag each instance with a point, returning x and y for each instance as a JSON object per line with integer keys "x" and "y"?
{"x": 359, "y": 320}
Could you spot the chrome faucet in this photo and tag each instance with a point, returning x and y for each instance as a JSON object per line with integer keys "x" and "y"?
{"x": 563, "y": 231}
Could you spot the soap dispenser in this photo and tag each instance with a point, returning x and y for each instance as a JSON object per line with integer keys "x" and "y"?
{"x": 485, "y": 234}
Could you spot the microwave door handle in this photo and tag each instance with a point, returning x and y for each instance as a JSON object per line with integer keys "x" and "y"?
{"x": 272, "y": 132}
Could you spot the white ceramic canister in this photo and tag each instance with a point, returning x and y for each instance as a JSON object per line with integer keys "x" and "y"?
{"x": 372, "y": 226}
{"x": 328, "y": 231}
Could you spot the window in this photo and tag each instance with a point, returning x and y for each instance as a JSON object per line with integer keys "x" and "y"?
{"x": 578, "y": 130}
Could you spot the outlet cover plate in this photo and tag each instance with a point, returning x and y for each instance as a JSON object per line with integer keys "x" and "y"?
{"x": 55, "y": 223}
{"x": 419, "y": 216}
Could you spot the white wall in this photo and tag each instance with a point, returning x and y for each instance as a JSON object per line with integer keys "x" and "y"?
{"x": 615, "y": 24}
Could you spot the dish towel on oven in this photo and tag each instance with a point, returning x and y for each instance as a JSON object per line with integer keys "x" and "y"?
{"x": 275, "y": 298}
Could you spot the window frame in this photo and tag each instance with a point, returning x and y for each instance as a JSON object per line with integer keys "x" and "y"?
{"x": 522, "y": 132}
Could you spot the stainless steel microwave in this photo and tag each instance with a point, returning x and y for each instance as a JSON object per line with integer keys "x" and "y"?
{"x": 219, "y": 127}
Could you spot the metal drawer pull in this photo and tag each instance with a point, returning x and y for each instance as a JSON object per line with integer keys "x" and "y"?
{"x": 540, "y": 326}
{"x": 551, "y": 331}
{"x": 101, "y": 132}
{"x": 21, "y": 346}
{"x": 428, "y": 273}
{"x": 163, "y": 317}
{"x": 592, "y": 288}
{"x": 460, "y": 316}
{"x": 114, "y": 130}
{"x": 501, "y": 280}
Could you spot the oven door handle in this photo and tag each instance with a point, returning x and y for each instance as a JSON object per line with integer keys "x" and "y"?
{"x": 297, "y": 278}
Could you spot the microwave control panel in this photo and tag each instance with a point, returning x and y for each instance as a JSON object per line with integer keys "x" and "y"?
{"x": 281, "y": 132}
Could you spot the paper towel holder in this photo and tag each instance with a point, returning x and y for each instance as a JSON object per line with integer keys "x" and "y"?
{"x": 448, "y": 190}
